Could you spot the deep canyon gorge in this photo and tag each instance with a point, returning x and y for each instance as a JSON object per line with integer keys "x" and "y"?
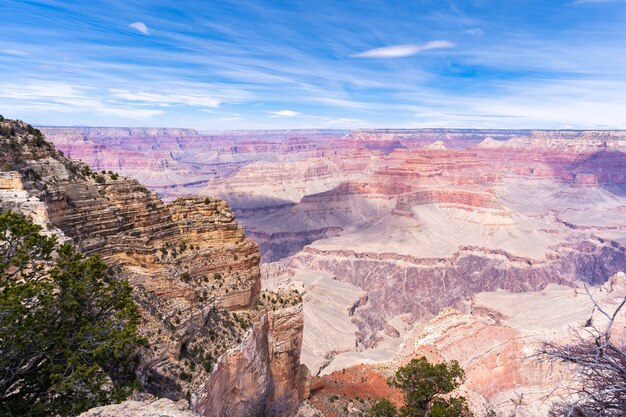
{"x": 453, "y": 243}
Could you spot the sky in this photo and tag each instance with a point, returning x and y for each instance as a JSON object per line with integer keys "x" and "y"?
{"x": 251, "y": 64}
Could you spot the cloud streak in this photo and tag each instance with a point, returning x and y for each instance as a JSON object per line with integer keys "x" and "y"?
{"x": 14, "y": 52}
{"x": 403, "y": 51}
{"x": 59, "y": 97}
{"x": 284, "y": 113}
{"x": 159, "y": 99}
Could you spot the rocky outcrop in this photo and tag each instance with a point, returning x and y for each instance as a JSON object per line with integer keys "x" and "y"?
{"x": 159, "y": 408}
{"x": 436, "y": 146}
{"x": 329, "y": 305}
{"x": 263, "y": 375}
{"x": 194, "y": 272}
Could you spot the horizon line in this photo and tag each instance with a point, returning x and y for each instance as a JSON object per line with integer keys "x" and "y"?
{"x": 499, "y": 129}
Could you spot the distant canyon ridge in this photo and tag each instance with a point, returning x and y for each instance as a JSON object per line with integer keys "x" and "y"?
{"x": 383, "y": 230}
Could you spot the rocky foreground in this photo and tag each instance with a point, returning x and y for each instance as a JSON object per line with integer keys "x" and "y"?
{"x": 159, "y": 408}
{"x": 214, "y": 338}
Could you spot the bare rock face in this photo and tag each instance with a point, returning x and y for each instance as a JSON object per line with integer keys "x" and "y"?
{"x": 194, "y": 272}
{"x": 436, "y": 146}
{"x": 260, "y": 372}
{"x": 329, "y": 305}
{"x": 159, "y": 408}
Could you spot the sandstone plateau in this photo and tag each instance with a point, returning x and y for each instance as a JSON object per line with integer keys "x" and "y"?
{"x": 214, "y": 338}
{"x": 383, "y": 231}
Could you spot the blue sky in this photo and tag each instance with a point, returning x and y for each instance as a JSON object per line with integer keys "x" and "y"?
{"x": 249, "y": 64}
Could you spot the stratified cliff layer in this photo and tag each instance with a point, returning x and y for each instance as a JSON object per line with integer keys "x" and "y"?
{"x": 195, "y": 276}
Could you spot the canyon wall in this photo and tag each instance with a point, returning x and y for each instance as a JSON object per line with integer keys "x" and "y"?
{"x": 194, "y": 273}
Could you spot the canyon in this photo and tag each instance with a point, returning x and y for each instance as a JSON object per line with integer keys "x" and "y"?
{"x": 396, "y": 236}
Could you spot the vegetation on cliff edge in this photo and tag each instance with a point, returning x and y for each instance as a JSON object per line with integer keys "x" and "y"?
{"x": 68, "y": 329}
{"x": 424, "y": 385}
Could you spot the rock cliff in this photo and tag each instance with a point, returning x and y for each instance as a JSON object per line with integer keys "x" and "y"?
{"x": 195, "y": 276}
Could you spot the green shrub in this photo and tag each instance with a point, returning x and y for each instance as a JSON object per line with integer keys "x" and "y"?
{"x": 69, "y": 328}
{"x": 423, "y": 384}
{"x": 207, "y": 363}
{"x": 383, "y": 408}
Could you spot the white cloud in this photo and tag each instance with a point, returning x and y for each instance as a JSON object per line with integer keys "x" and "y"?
{"x": 140, "y": 27}
{"x": 233, "y": 118}
{"x": 401, "y": 51}
{"x": 550, "y": 104}
{"x": 285, "y": 113}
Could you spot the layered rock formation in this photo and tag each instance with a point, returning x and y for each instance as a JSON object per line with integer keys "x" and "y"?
{"x": 195, "y": 277}
{"x": 407, "y": 221}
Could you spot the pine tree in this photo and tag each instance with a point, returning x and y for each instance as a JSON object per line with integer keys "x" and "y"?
{"x": 424, "y": 384}
{"x": 68, "y": 328}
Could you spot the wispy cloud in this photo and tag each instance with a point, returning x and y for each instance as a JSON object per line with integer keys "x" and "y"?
{"x": 129, "y": 113}
{"x": 401, "y": 51}
{"x": 166, "y": 99}
{"x": 345, "y": 122}
{"x": 284, "y": 113}
{"x": 140, "y": 27}
{"x": 15, "y": 52}
{"x": 59, "y": 97}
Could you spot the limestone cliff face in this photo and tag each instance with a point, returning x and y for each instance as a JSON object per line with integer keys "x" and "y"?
{"x": 195, "y": 275}
{"x": 262, "y": 369}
